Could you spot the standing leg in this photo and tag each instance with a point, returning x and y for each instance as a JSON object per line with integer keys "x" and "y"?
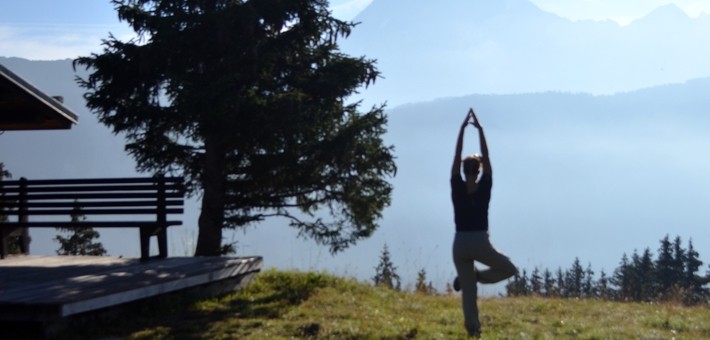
{"x": 463, "y": 260}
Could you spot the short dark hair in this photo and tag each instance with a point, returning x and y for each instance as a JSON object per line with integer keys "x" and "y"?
{"x": 471, "y": 164}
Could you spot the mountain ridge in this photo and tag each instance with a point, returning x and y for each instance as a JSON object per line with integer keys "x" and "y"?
{"x": 429, "y": 51}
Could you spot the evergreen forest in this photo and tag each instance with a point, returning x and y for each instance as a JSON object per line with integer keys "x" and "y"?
{"x": 673, "y": 274}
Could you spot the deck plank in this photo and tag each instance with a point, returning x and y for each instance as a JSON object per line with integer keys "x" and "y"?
{"x": 38, "y": 288}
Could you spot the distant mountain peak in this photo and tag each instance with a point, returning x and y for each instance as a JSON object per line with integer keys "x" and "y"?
{"x": 666, "y": 14}
{"x": 454, "y": 8}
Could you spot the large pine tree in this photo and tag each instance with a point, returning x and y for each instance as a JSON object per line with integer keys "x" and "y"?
{"x": 247, "y": 100}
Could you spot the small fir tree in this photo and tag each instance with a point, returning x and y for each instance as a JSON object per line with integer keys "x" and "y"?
{"x": 664, "y": 266}
{"x": 691, "y": 280}
{"x": 449, "y": 289}
{"x": 386, "y": 272}
{"x": 421, "y": 285}
{"x": 644, "y": 277}
{"x": 622, "y": 279}
{"x": 518, "y": 285}
{"x": 588, "y": 287}
{"x": 13, "y": 241}
{"x": 603, "y": 290}
{"x": 561, "y": 286}
{"x": 536, "y": 283}
{"x": 81, "y": 239}
{"x": 573, "y": 279}
{"x": 3, "y": 172}
{"x": 549, "y": 283}
{"x": 679, "y": 261}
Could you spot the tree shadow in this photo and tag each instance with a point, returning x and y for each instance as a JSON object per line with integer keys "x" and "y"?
{"x": 191, "y": 316}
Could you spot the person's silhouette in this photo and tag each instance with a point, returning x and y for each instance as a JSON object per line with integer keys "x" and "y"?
{"x": 472, "y": 244}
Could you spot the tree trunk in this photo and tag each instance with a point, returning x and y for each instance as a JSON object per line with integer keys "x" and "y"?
{"x": 209, "y": 239}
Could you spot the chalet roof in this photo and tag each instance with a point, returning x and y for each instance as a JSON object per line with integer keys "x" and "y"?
{"x": 24, "y": 107}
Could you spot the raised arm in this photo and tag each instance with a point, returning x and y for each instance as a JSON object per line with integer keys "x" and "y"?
{"x": 456, "y": 167}
{"x": 485, "y": 160}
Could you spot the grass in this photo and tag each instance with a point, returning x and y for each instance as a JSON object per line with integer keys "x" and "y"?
{"x": 294, "y": 305}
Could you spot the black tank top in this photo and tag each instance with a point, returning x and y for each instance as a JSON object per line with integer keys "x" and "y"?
{"x": 471, "y": 210}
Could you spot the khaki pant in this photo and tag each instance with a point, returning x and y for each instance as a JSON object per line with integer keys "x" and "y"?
{"x": 470, "y": 246}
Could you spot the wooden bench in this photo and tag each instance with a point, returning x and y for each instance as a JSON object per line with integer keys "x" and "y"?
{"x": 143, "y": 203}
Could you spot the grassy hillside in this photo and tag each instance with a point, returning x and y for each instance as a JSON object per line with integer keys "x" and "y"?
{"x": 287, "y": 305}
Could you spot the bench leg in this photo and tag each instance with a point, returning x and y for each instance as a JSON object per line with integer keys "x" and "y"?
{"x": 162, "y": 243}
{"x": 145, "y": 243}
{"x": 25, "y": 240}
{"x": 3, "y": 245}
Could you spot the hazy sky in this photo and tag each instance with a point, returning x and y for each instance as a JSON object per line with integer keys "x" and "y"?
{"x": 50, "y": 29}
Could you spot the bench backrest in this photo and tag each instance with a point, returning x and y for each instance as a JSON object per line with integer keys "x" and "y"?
{"x": 104, "y": 202}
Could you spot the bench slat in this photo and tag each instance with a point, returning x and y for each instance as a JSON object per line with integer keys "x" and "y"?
{"x": 90, "y": 204}
{"x": 116, "y": 211}
{"x": 91, "y": 188}
{"x": 92, "y": 224}
{"x": 178, "y": 180}
{"x": 71, "y": 196}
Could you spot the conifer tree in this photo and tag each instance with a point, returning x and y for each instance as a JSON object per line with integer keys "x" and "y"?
{"x": 692, "y": 266}
{"x": 588, "y": 287}
{"x": 622, "y": 279}
{"x": 679, "y": 261}
{"x": 664, "y": 266}
{"x": 4, "y": 174}
{"x": 525, "y": 284}
{"x": 386, "y": 272}
{"x": 422, "y": 285}
{"x": 561, "y": 287}
{"x": 536, "y": 283}
{"x": 13, "y": 241}
{"x": 549, "y": 283}
{"x": 693, "y": 282}
{"x": 248, "y": 100}
{"x": 518, "y": 285}
{"x": 80, "y": 240}
{"x": 573, "y": 279}
{"x": 603, "y": 290}
{"x": 449, "y": 289}
{"x": 643, "y": 269}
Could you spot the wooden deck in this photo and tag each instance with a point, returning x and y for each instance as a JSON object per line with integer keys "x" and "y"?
{"x": 48, "y": 288}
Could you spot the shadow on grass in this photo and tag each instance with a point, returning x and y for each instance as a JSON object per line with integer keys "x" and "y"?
{"x": 275, "y": 293}
{"x": 187, "y": 316}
